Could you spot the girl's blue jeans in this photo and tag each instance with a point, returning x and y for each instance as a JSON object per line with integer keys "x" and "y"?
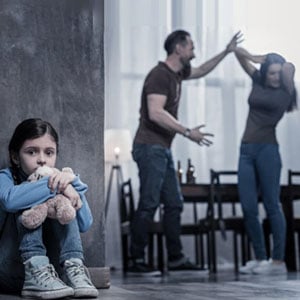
{"x": 259, "y": 173}
{"x": 58, "y": 242}
{"x": 158, "y": 185}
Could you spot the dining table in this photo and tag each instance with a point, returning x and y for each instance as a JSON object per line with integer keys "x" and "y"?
{"x": 200, "y": 193}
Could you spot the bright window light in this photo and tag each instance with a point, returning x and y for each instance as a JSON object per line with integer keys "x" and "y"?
{"x": 272, "y": 26}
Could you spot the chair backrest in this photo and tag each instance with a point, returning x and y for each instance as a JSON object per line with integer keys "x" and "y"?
{"x": 291, "y": 176}
{"x": 126, "y": 202}
{"x": 224, "y": 192}
{"x": 127, "y": 210}
{"x": 294, "y": 185}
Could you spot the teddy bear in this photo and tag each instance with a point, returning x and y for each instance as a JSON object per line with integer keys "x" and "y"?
{"x": 58, "y": 207}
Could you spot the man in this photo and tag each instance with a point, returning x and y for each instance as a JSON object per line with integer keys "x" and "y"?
{"x": 151, "y": 148}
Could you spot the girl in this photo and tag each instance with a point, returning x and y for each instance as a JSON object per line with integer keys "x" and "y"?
{"x": 33, "y": 144}
{"x": 273, "y": 93}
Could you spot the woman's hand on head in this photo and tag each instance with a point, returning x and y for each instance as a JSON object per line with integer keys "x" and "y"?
{"x": 60, "y": 180}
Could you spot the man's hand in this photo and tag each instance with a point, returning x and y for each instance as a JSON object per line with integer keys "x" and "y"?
{"x": 200, "y": 137}
{"x": 237, "y": 39}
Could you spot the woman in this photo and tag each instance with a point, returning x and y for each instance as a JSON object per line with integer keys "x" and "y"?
{"x": 273, "y": 93}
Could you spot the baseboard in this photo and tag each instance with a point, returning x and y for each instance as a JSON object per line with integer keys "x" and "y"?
{"x": 100, "y": 277}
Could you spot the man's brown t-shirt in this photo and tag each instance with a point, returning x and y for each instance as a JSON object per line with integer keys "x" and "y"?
{"x": 163, "y": 81}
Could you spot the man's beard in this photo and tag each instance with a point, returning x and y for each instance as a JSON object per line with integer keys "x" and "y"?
{"x": 186, "y": 63}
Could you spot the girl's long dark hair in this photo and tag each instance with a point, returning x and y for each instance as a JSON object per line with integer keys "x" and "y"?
{"x": 27, "y": 130}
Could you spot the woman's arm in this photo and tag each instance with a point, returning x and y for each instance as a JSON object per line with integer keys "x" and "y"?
{"x": 247, "y": 60}
{"x": 288, "y": 73}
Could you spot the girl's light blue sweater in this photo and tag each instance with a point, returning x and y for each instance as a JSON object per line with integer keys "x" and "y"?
{"x": 14, "y": 198}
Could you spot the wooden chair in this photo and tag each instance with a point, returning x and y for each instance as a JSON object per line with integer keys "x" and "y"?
{"x": 293, "y": 221}
{"x": 289, "y": 195}
{"x": 195, "y": 195}
{"x": 155, "y": 230}
{"x": 226, "y": 194}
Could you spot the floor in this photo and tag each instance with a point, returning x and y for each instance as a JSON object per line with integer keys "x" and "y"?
{"x": 226, "y": 285}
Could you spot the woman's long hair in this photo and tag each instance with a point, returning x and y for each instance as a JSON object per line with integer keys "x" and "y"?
{"x": 275, "y": 58}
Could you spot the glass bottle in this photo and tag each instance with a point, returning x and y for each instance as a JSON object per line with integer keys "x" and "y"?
{"x": 190, "y": 178}
{"x": 179, "y": 171}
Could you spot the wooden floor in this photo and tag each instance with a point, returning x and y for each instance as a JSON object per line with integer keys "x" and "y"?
{"x": 192, "y": 285}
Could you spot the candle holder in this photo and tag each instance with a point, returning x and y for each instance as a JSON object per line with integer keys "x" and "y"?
{"x": 117, "y": 144}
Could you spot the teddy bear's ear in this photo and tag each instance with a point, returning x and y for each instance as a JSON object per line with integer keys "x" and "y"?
{"x": 44, "y": 171}
{"x": 67, "y": 170}
{"x": 33, "y": 177}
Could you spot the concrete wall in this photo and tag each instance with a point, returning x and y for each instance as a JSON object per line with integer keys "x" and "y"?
{"x": 51, "y": 66}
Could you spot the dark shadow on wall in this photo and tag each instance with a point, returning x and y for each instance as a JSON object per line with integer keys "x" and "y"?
{"x": 51, "y": 66}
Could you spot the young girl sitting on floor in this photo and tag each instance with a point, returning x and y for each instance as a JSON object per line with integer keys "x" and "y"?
{"x": 24, "y": 262}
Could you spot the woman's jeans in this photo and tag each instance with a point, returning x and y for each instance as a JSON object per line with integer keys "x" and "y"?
{"x": 17, "y": 244}
{"x": 158, "y": 184}
{"x": 259, "y": 172}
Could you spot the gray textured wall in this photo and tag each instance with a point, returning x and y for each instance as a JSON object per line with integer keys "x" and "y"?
{"x": 51, "y": 66}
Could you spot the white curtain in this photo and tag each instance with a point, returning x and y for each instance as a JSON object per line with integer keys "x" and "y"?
{"x": 134, "y": 34}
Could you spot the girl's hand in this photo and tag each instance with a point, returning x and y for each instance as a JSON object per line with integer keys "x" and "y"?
{"x": 73, "y": 196}
{"x": 60, "y": 180}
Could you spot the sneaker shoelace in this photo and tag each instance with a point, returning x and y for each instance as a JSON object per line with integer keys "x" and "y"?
{"x": 77, "y": 273}
{"x": 45, "y": 275}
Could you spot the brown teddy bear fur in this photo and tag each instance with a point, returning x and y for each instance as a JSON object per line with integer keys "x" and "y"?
{"x": 58, "y": 207}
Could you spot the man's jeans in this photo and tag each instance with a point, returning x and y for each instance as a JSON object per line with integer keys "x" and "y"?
{"x": 158, "y": 184}
{"x": 259, "y": 172}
